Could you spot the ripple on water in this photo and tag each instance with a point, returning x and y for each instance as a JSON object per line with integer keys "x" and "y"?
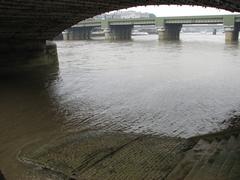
{"x": 177, "y": 88}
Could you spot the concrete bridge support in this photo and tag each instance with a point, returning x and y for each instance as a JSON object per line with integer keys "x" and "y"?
{"x": 169, "y": 32}
{"x": 21, "y": 55}
{"x": 118, "y": 32}
{"x": 231, "y": 34}
{"x": 231, "y": 29}
{"x": 77, "y": 33}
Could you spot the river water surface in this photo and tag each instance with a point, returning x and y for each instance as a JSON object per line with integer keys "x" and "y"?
{"x": 144, "y": 86}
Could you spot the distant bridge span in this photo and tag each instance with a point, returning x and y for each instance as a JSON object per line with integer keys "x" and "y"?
{"x": 25, "y": 25}
{"x": 168, "y": 27}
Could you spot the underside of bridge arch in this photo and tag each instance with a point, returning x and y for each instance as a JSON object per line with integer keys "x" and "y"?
{"x": 44, "y": 19}
{"x": 25, "y": 25}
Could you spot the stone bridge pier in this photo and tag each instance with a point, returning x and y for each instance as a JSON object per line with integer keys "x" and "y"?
{"x": 231, "y": 29}
{"x": 169, "y": 32}
{"x": 25, "y": 54}
{"x": 231, "y": 34}
{"x": 118, "y": 32}
{"x": 77, "y": 33}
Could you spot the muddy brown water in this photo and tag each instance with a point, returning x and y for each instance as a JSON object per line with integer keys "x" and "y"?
{"x": 146, "y": 87}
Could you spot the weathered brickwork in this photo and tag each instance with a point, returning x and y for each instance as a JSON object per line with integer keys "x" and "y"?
{"x": 44, "y": 19}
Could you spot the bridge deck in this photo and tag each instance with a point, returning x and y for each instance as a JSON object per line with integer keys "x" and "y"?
{"x": 216, "y": 19}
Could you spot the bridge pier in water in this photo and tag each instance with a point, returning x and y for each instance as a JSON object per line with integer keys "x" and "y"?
{"x": 169, "y": 32}
{"x": 26, "y": 54}
{"x": 118, "y": 32}
{"x": 231, "y": 28}
{"x": 77, "y": 33}
{"x": 231, "y": 34}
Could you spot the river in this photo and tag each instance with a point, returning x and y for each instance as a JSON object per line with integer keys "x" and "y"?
{"x": 143, "y": 86}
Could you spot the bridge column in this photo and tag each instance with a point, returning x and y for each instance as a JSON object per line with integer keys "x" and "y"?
{"x": 77, "y": 33}
{"x": 25, "y": 54}
{"x": 231, "y": 34}
{"x": 169, "y": 32}
{"x": 231, "y": 29}
{"x": 118, "y": 32}
{"x": 107, "y": 32}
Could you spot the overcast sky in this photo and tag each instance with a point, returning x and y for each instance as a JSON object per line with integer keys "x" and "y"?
{"x": 172, "y": 10}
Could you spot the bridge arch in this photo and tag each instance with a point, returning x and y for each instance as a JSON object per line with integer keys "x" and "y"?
{"x": 44, "y": 19}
